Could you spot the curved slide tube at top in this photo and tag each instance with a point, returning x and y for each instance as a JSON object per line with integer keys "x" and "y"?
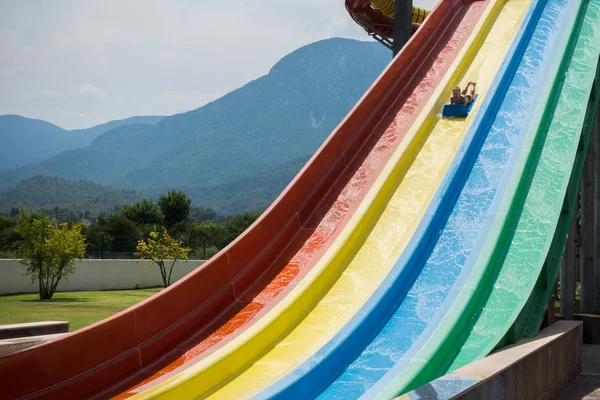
{"x": 380, "y": 14}
{"x": 351, "y": 289}
{"x": 343, "y": 349}
{"x": 387, "y": 8}
{"x": 439, "y": 56}
{"x": 129, "y": 343}
{"x": 499, "y": 158}
{"x": 539, "y": 193}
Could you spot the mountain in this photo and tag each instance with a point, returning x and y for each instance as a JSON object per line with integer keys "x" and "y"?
{"x": 25, "y": 141}
{"x": 250, "y": 194}
{"x": 79, "y": 197}
{"x": 282, "y": 116}
{"x": 92, "y": 133}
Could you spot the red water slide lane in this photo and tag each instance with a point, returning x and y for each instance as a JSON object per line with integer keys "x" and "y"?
{"x": 280, "y": 246}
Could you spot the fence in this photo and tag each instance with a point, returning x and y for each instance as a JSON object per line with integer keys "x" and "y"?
{"x": 95, "y": 275}
{"x": 104, "y": 246}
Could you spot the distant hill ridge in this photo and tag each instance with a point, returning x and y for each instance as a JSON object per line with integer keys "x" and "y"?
{"x": 25, "y": 141}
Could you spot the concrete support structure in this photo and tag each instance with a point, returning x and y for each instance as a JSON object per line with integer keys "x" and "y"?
{"x": 537, "y": 368}
{"x": 595, "y": 134}
{"x": 402, "y": 23}
{"x": 588, "y": 236}
{"x": 568, "y": 272}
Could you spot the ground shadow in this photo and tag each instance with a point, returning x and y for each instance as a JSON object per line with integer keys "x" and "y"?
{"x": 61, "y": 300}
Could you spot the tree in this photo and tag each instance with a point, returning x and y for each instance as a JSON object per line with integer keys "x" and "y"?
{"x": 239, "y": 223}
{"x": 48, "y": 250}
{"x": 198, "y": 213}
{"x": 144, "y": 212}
{"x": 184, "y": 231}
{"x": 175, "y": 206}
{"x": 209, "y": 234}
{"x": 124, "y": 234}
{"x": 8, "y": 237}
{"x": 115, "y": 234}
{"x": 164, "y": 251}
{"x": 200, "y": 236}
{"x": 66, "y": 245}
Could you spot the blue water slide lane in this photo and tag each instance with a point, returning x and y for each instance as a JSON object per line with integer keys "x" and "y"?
{"x": 317, "y": 372}
{"x": 472, "y": 218}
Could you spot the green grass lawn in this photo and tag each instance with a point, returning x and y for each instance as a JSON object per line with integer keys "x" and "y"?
{"x": 79, "y": 308}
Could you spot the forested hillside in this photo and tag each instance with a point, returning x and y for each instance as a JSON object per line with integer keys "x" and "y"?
{"x": 82, "y": 197}
{"x": 274, "y": 120}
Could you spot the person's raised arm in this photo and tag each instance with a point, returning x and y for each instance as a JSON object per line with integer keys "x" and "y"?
{"x": 466, "y": 89}
{"x": 474, "y": 84}
{"x": 470, "y": 89}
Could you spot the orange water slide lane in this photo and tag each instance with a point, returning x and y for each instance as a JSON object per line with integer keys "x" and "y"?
{"x": 367, "y": 170}
{"x": 135, "y": 344}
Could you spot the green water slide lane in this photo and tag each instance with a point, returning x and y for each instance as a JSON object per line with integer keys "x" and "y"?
{"x": 532, "y": 207}
{"x": 530, "y": 319}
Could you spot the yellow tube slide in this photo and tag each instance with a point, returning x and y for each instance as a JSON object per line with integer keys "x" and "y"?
{"x": 387, "y": 8}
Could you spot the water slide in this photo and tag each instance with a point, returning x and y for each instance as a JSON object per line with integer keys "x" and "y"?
{"x": 408, "y": 246}
{"x": 228, "y": 295}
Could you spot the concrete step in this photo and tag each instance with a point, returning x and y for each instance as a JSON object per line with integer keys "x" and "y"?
{"x": 33, "y": 329}
{"x": 8, "y": 346}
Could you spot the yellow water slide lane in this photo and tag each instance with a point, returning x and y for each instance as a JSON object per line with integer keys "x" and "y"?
{"x": 363, "y": 254}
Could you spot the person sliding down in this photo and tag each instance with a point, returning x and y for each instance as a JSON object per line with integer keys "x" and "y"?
{"x": 465, "y": 97}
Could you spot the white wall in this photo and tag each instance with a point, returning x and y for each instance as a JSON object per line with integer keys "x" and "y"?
{"x": 95, "y": 275}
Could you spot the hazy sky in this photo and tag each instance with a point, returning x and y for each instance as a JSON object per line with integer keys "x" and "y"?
{"x": 78, "y": 63}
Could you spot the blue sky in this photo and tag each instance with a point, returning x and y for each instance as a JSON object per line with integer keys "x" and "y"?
{"x": 78, "y": 63}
